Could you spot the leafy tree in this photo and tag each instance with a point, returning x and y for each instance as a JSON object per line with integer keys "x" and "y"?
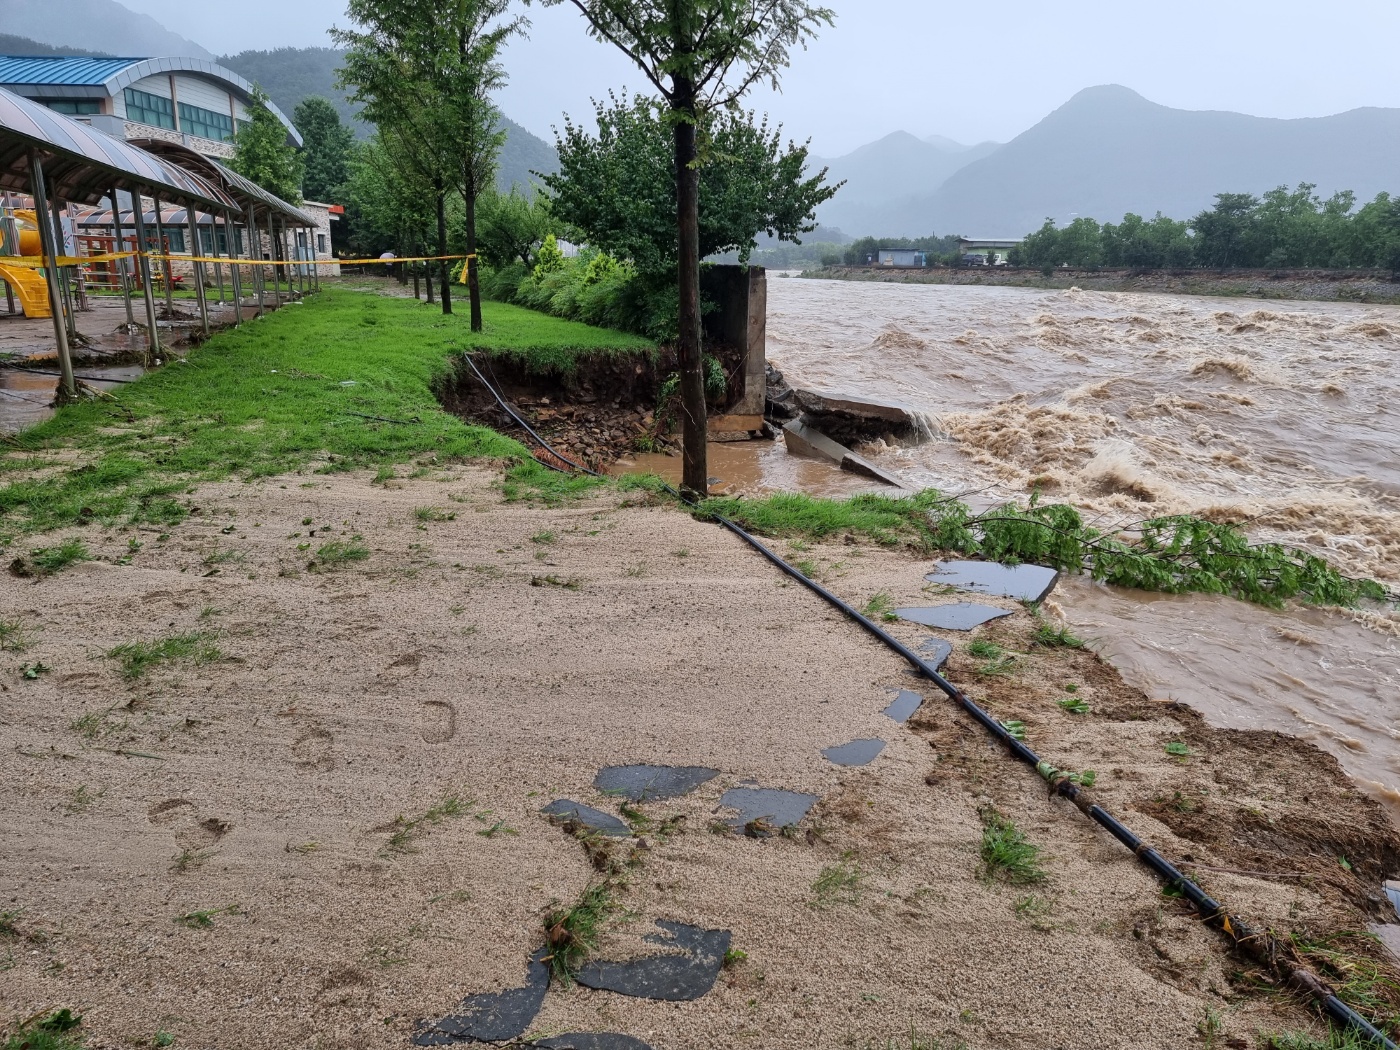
{"x": 1080, "y": 244}
{"x": 700, "y": 56}
{"x": 327, "y": 148}
{"x": 618, "y": 186}
{"x": 387, "y": 209}
{"x": 1225, "y": 235}
{"x": 261, "y": 152}
{"x": 510, "y": 226}
{"x": 425, "y": 72}
{"x": 1375, "y": 233}
{"x": 1041, "y": 248}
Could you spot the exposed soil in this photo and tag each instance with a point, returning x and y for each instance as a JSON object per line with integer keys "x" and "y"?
{"x": 499, "y": 655}
{"x": 602, "y": 411}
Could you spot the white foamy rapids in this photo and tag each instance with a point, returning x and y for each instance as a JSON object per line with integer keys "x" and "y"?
{"x": 1130, "y": 406}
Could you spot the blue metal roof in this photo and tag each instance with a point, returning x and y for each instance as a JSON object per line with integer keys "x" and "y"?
{"x": 61, "y": 69}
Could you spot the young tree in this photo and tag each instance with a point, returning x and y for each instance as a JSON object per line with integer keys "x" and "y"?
{"x": 618, "y": 186}
{"x": 700, "y": 55}
{"x": 512, "y": 226}
{"x": 262, "y": 154}
{"x": 387, "y": 209}
{"x": 327, "y": 147}
{"x": 425, "y": 72}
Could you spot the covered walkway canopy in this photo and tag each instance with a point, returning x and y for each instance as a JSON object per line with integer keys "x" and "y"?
{"x": 53, "y": 158}
{"x": 84, "y": 165}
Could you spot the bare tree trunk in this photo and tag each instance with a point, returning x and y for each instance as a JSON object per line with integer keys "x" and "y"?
{"x": 695, "y": 474}
{"x": 442, "y": 249}
{"x": 473, "y": 284}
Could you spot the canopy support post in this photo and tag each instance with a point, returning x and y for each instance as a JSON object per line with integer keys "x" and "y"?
{"x": 255, "y": 253}
{"x": 138, "y": 212}
{"x": 67, "y": 388}
{"x": 121, "y": 263}
{"x": 198, "y": 270}
{"x": 234, "y": 277}
{"x": 164, "y": 249}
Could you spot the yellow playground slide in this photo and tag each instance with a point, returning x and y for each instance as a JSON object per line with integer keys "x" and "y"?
{"x": 30, "y": 289}
{"x": 29, "y": 286}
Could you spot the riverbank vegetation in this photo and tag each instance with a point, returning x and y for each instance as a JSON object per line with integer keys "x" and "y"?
{"x": 1283, "y": 229}
{"x": 344, "y": 381}
{"x": 1174, "y": 554}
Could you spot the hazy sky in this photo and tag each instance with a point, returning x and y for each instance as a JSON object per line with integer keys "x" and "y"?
{"x": 971, "y": 71}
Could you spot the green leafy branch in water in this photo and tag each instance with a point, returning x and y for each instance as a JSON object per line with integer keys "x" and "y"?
{"x": 1175, "y": 553}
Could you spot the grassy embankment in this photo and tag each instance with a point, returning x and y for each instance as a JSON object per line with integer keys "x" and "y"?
{"x": 344, "y": 381}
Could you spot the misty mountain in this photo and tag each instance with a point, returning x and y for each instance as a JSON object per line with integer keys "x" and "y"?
{"x": 102, "y": 26}
{"x": 18, "y": 45}
{"x": 1109, "y": 151}
{"x": 290, "y": 74}
{"x": 888, "y": 182}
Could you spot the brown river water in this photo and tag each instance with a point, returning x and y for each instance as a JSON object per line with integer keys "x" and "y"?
{"x": 1130, "y": 406}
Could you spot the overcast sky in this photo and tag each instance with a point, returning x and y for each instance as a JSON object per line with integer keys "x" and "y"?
{"x": 971, "y": 71}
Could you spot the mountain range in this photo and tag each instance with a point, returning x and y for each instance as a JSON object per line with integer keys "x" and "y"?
{"x": 102, "y": 26}
{"x": 1106, "y": 152}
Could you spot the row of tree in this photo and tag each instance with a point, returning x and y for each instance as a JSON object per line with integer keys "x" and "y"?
{"x": 1293, "y": 229}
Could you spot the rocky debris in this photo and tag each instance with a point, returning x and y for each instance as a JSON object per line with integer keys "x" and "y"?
{"x": 780, "y": 403}
{"x": 853, "y": 420}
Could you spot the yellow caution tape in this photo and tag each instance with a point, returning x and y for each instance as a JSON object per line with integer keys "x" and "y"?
{"x": 38, "y": 262}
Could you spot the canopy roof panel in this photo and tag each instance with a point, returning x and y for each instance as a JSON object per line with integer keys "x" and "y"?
{"x": 65, "y": 70}
{"x": 84, "y": 164}
{"x": 233, "y": 183}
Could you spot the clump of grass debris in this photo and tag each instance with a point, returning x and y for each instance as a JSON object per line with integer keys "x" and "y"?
{"x": 45, "y": 561}
{"x": 573, "y": 932}
{"x": 54, "y": 1031}
{"x": 341, "y": 552}
{"x": 1007, "y": 854}
{"x": 838, "y": 883}
{"x": 405, "y": 830}
{"x": 139, "y": 658}
{"x": 881, "y": 607}
{"x": 14, "y": 638}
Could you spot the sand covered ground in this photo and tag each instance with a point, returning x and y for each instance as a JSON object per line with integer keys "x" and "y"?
{"x": 498, "y": 655}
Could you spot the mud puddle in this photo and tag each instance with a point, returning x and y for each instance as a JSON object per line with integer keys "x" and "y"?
{"x": 26, "y": 397}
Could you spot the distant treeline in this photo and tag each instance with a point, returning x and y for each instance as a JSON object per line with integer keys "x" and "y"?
{"x": 1283, "y": 229}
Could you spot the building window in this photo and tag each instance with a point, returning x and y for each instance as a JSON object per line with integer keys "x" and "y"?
{"x": 174, "y": 237}
{"x": 321, "y": 243}
{"x": 74, "y": 107}
{"x": 207, "y": 238}
{"x": 206, "y": 123}
{"x": 145, "y": 108}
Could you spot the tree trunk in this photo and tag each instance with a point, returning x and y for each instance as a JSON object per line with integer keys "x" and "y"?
{"x": 695, "y": 475}
{"x": 442, "y": 250}
{"x": 473, "y": 284}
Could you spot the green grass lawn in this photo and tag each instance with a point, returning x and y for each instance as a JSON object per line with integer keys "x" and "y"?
{"x": 284, "y": 393}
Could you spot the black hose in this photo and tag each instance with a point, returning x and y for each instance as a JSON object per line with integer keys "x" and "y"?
{"x": 1258, "y": 943}
{"x": 528, "y": 429}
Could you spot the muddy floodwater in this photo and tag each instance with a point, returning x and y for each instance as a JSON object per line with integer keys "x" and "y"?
{"x": 1130, "y": 406}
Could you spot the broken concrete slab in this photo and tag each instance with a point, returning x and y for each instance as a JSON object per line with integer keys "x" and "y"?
{"x": 492, "y": 1017}
{"x": 1388, "y": 935}
{"x": 1029, "y": 583}
{"x": 1392, "y": 890}
{"x": 644, "y": 783}
{"x": 935, "y": 652}
{"x": 592, "y": 1041}
{"x": 688, "y": 970}
{"x": 851, "y": 420}
{"x": 856, "y": 753}
{"x": 768, "y": 806}
{"x": 805, "y": 440}
{"x": 906, "y": 702}
{"x": 963, "y": 616}
{"x": 565, "y": 810}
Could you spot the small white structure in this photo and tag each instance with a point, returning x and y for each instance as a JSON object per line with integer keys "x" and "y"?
{"x": 316, "y": 243}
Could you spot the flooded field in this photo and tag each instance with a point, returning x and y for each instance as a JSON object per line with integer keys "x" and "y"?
{"x": 1133, "y": 406}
